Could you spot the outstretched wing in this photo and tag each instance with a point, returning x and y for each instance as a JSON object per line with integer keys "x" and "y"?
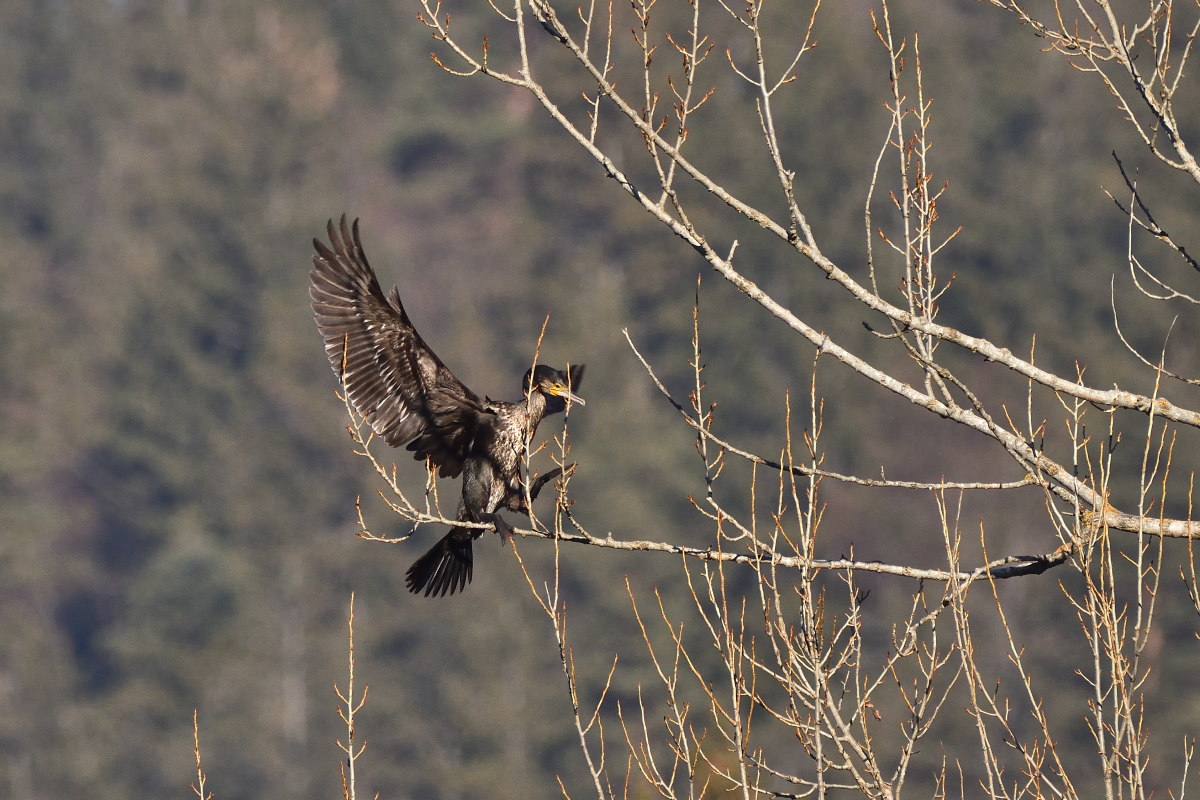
{"x": 391, "y": 377}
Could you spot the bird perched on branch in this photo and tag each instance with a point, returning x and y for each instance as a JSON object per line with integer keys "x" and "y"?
{"x": 408, "y": 397}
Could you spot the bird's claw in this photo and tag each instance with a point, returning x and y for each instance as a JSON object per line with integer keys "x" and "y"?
{"x": 504, "y": 529}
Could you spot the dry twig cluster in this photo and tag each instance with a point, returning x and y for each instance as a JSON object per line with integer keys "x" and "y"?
{"x": 787, "y": 688}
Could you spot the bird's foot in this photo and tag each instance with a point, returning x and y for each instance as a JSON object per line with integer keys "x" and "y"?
{"x": 503, "y": 528}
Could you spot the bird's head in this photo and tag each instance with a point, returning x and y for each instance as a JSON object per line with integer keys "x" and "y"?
{"x": 557, "y": 387}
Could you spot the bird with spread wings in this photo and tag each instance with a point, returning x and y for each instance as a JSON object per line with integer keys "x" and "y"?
{"x": 409, "y": 398}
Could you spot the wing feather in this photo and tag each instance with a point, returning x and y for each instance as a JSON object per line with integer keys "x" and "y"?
{"x": 391, "y": 377}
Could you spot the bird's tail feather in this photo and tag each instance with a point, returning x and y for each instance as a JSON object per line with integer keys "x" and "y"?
{"x": 445, "y": 568}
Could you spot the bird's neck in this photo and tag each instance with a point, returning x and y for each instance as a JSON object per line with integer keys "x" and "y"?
{"x": 535, "y": 410}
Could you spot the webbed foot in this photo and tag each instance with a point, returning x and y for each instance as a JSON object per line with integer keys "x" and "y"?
{"x": 502, "y": 527}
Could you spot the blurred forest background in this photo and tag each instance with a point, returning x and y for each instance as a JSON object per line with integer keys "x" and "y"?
{"x": 177, "y": 490}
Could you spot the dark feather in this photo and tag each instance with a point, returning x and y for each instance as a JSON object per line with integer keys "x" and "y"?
{"x": 391, "y": 377}
{"x": 445, "y": 568}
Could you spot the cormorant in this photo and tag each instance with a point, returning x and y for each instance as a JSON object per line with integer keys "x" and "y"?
{"x": 408, "y": 397}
